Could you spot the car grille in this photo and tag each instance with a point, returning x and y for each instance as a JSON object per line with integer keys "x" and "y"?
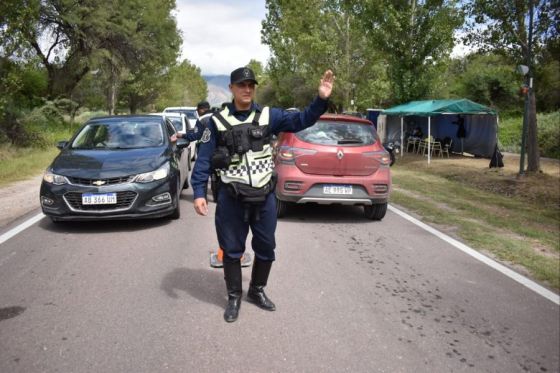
{"x": 124, "y": 201}
{"x": 99, "y": 182}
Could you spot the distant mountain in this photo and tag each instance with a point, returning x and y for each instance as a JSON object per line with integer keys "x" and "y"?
{"x": 218, "y": 89}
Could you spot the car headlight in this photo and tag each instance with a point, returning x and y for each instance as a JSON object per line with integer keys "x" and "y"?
{"x": 160, "y": 173}
{"x": 55, "y": 179}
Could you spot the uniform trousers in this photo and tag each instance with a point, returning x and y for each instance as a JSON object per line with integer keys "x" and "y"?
{"x": 232, "y": 229}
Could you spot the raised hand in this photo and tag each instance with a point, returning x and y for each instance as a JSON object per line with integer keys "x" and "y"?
{"x": 326, "y": 86}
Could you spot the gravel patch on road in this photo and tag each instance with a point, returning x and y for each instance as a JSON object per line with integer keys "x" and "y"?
{"x": 18, "y": 199}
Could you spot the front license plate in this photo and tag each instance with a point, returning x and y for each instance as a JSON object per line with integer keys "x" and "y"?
{"x": 337, "y": 189}
{"x": 99, "y": 199}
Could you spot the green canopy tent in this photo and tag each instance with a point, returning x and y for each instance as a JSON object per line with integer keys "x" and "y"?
{"x": 480, "y": 123}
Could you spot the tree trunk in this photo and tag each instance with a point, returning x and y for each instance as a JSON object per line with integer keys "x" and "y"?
{"x": 533, "y": 158}
{"x": 112, "y": 90}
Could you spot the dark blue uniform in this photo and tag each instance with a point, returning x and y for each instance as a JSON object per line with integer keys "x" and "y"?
{"x": 231, "y": 227}
{"x": 199, "y": 127}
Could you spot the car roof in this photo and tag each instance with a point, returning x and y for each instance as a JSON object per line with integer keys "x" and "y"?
{"x": 345, "y": 118}
{"x": 122, "y": 118}
{"x": 171, "y": 114}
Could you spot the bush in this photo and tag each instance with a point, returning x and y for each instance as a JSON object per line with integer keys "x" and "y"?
{"x": 509, "y": 134}
{"x": 87, "y": 115}
{"x": 41, "y": 127}
{"x": 549, "y": 134}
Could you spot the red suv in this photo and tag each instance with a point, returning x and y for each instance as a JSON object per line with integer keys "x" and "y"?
{"x": 339, "y": 160}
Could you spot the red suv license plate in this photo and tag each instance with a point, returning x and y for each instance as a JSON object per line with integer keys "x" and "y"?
{"x": 337, "y": 189}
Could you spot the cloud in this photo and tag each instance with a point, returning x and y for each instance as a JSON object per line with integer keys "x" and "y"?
{"x": 219, "y": 36}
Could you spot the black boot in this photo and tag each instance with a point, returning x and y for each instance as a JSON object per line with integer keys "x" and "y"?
{"x": 259, "y": 277}
{"x": 232, "y": 275}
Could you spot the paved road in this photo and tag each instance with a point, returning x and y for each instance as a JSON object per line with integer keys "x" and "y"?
{"x": 352, "y": 295}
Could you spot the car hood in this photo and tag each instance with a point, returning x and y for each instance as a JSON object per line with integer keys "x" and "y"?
{"x": 108, "y": 163}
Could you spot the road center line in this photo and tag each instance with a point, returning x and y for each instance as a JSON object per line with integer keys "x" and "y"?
{"x": 484, "y": 259}
{"x": 23, "y": 226}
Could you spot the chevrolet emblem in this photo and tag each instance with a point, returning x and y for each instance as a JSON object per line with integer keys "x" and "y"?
{"x": 99, "y": 182}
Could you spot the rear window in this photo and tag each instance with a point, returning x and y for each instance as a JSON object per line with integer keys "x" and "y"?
{"x": 338, "y": 133}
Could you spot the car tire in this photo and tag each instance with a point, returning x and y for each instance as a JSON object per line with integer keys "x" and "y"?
{"x": 281, "y": 208}
{"x": 176, "y": 214}
{"x": 376, "y": 211}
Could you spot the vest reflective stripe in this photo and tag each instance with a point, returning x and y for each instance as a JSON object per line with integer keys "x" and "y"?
{"x": 253, "y": 168}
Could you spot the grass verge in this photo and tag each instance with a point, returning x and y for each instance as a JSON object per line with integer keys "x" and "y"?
{"x": 22, "y": 163}
{"x": 515, "y": 220}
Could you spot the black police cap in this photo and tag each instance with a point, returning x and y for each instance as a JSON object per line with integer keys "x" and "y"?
{"x": 242, "y": 74}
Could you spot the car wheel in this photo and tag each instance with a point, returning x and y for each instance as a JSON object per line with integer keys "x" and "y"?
{"x": 376, "y": 211}
{"x": 176, "y": 214}
{"x": 281, "y": 208}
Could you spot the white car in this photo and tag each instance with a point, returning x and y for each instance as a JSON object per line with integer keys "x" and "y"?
{"x": 188, "y": 111}
{"x": 182, "y": 125}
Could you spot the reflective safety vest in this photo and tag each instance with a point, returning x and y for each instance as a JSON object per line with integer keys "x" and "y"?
{"x": 253, "y": 168}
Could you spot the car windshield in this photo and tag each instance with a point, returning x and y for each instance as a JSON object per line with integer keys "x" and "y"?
{"x": 190, "y": 114}
{"x": 338, "y": 133}
{"x": 119, "y": 135}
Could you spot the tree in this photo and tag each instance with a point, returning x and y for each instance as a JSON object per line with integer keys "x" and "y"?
{"x": 414, "y": 37}
{"x": 183, "y": 86}
{"x": 72, "y": 39}
{"x": 487, "y": 78}
{"x": 519, "y": 29}
{"x": 305, "y": 39}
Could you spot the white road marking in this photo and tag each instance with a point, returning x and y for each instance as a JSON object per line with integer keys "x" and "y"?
{"x": 484, "y": 259}
{"x": 23, "y": 226}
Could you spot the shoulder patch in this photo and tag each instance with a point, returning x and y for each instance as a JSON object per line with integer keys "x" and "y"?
{"x": 206, "y": 135}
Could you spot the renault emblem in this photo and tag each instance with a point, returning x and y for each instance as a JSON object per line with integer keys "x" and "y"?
{"x": 340, "y": 154}
{"x": 99, "y": 182}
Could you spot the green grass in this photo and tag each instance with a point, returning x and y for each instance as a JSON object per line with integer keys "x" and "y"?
{"x": 510, "y": 229}
{"x": 22, "y": 163}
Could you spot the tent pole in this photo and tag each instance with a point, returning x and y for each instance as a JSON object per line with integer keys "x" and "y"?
{"x": 402, "y": 144}
{"x": 429, "y": 139}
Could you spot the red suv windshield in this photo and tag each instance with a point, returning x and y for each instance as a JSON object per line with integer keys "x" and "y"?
{"x": 338, "y": 133}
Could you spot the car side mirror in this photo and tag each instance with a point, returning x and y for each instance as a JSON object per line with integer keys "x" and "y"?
{"x": 61, "y": 144}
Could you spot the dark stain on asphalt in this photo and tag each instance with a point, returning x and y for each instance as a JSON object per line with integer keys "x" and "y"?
{"x": 204, "y": 285}
{"x": 426, "y": 311}
{"x": 10, "y": 312}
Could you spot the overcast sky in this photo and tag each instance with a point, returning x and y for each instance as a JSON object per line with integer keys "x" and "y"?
{"x": 221, "y": 35}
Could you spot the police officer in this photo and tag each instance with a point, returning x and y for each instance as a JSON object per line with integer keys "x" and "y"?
{"x": 237, "y": 144}
{"x": 202, "y": 108}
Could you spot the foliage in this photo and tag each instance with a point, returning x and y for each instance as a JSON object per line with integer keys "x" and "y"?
{"x": 131, "y": 32}
{"x": 307, "y": 38}
{"x": 489, "y": 79}
{"x": 183, "y": 86}
{"x": 549, "y": 134}
{"x": 414, "y": 38}
{"x": 521, "y": 30}
{"x": 509, "y": 134}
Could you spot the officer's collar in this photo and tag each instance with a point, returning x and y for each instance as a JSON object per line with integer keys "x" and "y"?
{"x": 232, "y": 110}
